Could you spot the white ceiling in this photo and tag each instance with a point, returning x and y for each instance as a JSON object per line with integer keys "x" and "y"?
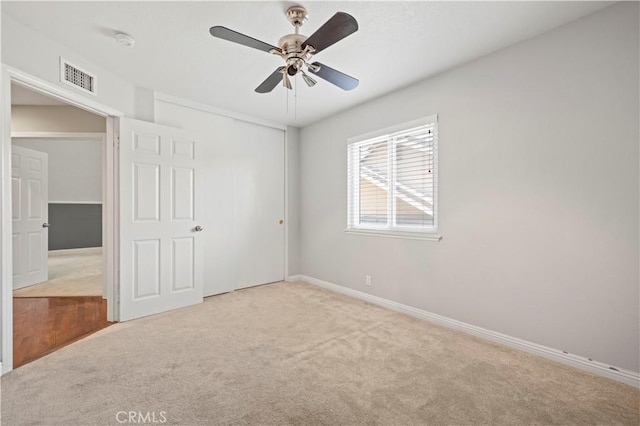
{"x": 398, "y": 43}
{"x": 23, "y": 96}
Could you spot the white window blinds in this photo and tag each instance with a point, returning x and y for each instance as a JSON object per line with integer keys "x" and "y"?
{"x": 392, "y": 179}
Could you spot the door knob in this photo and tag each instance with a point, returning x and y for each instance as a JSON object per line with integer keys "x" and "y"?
{"x": 46, "y": 225}
{"x": 199, "y": 228}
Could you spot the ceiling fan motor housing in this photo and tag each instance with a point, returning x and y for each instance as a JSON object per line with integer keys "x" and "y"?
{"x": 293, "y": 53}
{"x": 292, "y": 43}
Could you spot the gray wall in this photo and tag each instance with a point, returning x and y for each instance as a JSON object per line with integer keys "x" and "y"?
{"x": 538, "y": 193}
{"x": 75, "y": 226}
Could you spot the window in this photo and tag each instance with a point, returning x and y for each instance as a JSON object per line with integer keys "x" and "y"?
{"x": 393, "y": 181}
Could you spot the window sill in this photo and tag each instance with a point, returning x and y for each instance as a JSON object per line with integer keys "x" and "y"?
{"x": 395, "y": 234}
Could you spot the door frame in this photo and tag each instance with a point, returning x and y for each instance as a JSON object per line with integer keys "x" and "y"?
{"x": 110, "y": 197}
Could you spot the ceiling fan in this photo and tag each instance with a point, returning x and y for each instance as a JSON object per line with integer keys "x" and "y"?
{"x": 297, "y": 50}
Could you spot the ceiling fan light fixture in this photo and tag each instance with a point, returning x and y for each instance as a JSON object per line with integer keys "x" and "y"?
{"x": 313, "y": 67}
{"x": 292, "y": 70}
{"x": 285, "y": 81}
{"x": 310, "y": 81}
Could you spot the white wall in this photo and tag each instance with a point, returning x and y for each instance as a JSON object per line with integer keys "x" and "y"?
{"x": 538, "y": 193}
{"x": 75, "y": 168}
{"x": 293, "y": 200}
{"x": 31, "y": 52}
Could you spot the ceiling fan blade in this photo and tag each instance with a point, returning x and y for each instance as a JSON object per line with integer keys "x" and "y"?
{"x": 335, "y": 29}
{"x": 236, "y": 37}
{"x": 341, "y": 80}
{"x": 271, "y": 81}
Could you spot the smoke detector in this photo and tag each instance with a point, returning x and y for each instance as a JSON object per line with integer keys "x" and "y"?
{"x": 125, "y": 39}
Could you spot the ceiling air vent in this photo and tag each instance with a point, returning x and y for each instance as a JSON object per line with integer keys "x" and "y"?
{"x": 76, "y": 77}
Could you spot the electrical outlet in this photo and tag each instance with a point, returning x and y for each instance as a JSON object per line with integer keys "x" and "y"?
{"x": 367, "y": 281}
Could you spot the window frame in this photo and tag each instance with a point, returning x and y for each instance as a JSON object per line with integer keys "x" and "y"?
{"x": 353, "y": 186}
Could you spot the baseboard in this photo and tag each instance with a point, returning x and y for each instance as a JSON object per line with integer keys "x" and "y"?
{"x": 292, "y": 278}
{"x": 619, "y": 374}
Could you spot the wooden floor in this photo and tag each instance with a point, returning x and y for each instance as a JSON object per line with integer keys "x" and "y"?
{"x": 42, "y": 325}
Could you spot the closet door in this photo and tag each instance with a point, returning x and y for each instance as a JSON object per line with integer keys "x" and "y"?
{"x": 243, "y": 180}
{"x": 258, "y": 204}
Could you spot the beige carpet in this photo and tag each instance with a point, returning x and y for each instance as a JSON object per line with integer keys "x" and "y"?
{"x": 74, "y": 272}
{"x": 291, "y": 353}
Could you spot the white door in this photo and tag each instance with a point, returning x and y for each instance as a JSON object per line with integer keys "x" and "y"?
{"x": 30, "y": 212}
{"x": 160, "y": 218}
{"x": 259, "y": 205}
